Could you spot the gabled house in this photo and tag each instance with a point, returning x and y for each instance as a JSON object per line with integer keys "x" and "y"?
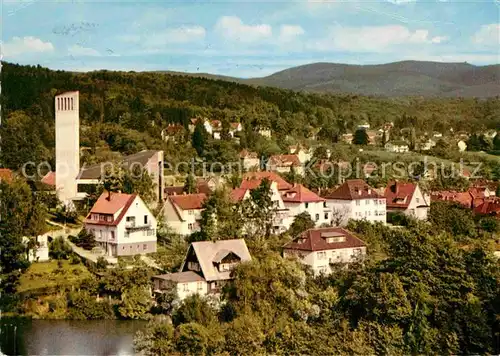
{"x": 122, "y": 225}
{"x": 396, "y": 146}
{"x": 282, "y": 218}
{"x": 320, "y": 248}
{"x": 408, "y": 199}
{"x": 249, "y": 160}
{"x": 172, "y": 133}
{"x": 206, "y": 124}
{"x": 356, "y": 200}
{"x": 272, "y": 176}
{"x": 304, "y": 154}
{"x": 489, "y": 207}
{"x": 183, "y": 212}
{"x": 284, "y": 164}
{"x": 207, "y": 267}
{"x": 264, "y": 131}
{"x": 299, "y": 199}
{"x": 426, "y": 145}
{"x": 235, "y": 127}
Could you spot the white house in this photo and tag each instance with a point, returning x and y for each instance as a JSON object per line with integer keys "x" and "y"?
{"x": 122, "y": 224}
{"x": 303, "y": 153}
{"x": 426, "y": 145}
{"x": 206, "y": 268}
{"x": 396, "y": 146}
{"x": 249, "y": 160}
{"x": 183, "y": 212}
{"x": 282, "y": 218}
{"x": 41, "y": 251}
{"x": 408, "y": 199}
{"x": 299, "y": 199}
{"x": 462, "y": 146}
{"x": 206, "y": 124}
{"x": 265, "y": 132}
{"x": 358, "y": 201}
{"x": 320, "y": 248}
{"x": 284, "y": 164}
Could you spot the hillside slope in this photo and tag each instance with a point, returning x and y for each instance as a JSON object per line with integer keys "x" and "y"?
{"x": 392, "y": 79}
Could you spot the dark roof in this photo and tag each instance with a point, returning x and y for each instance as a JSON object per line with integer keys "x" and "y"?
{"x": 94, "y": 171}
{"x": 399, "y": 194}
{"x": 354, "y": 189}
{"x": 315, "y": 240}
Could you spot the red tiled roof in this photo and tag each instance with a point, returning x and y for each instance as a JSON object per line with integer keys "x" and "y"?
{"x": 249, "y": 184}
{"x": 300, "y": 194}
{"x": 173, "y": 129}
{"x": 188, "y": 201}
{"x": 284, "y": 160}
{"x": 216, "y": 123}
{"x": 315, "y": 240}
{"x": 354, "y": 189}
{"x": 49, "y": 178}
{"x": 489, "y": 207}
{"x": 463, "y": 198}
{"x": 6, "y": 174}
{"x": 399, "y": 194}
{"x": 272, "y": 176}
{"x": 248, "y": 154}
{"x": 238, "y": 194}
{"x": 235, "y": 125}
{"x": 116, "y": 202}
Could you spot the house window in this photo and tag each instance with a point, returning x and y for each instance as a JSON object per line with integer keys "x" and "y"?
{"x": 199, "y": 286}
{"x": 358, "y": 203}
{"x": 190, "y": 226}
{"x": 367, "y": 202}
{"x": 324, "y": 204}
{"x": 369, "y": 213}
{"x": 145, "y": 219}
{"x": 322, "y": 269}
{"x": 127, "y": 234}
{"x": 381, "y": 202}
{"x": 110, "y": 218}
{"x": 417, "y": 200}
{"x": 321, "y": 255}
{"x": 326, "y": 216}
{"x": 376, "y": 202}
{"x": 144, "y": 247}
{"x": 317, "y": 217}
{"x": 130, "y": 218}
{"x": 307, "y": 205}
{"x": 102, "y": 217}
{"x": 357, "y": 251}
{"x": 100, "y": 234}
{"x": 185, "y": 287}
{"x": 190, "y": 212}
{"x": 112, "y": 235}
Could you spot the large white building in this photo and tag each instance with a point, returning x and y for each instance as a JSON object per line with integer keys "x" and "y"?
{"x": 182, "y": 213}
{"x": 356, "y": 200}
{"x": 67, "y": 145}
{"x": 206, "y": 268}
{"x": 408, "y": 199}
{"x": 321, "y": 248}
{"x": 122, "y": 225}
{"x": 299, "y": 200}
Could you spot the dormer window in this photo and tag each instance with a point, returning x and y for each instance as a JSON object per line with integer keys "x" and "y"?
{"x": 301, "y": 241}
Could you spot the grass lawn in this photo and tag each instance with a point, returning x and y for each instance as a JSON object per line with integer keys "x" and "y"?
{"x": 47, "y": 274}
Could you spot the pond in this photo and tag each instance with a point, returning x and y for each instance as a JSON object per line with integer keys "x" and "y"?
{"x": 68, "y": 337}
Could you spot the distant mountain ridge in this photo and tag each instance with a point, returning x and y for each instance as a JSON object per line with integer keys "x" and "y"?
{"x": 406, "y": 78}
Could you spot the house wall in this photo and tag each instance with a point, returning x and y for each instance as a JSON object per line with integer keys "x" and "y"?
{"x": 183, "y": 289}
{"x": 249, "y": 163}
{"x": 320, "y": 261}
{"x": 316, "y": 210}
{"x": 373, "y": 210}
{"x": 416, "y": 200}
{"x": 181, "y": 226}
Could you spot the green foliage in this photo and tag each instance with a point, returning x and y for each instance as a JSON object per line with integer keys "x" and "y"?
{"x": 84, "y": 239}
{"x": 157, "y": 339}
{"x": 189, "y": 185}
{"x": 83, "y": 305}
{"x": 166, "y": 301}
{"x": 301, "y": 223}
{"x": 453, "y": 218}
{"x": 59, "y": 249}
{"x": 192, "y": 339}
{"x": 136, "y": 302}
{"x": 194, "y": 309}
{"x": 360, "y": 137}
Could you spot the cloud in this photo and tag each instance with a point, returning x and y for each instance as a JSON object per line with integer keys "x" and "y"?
{"x": 487, "y": 35}
{"x": 290, "y": 32}
{"x": 79, "y": 51}
{"x": 373, "y": 38}
{"x": 28, "y": 44}
{"x": 400, "y": 2}
{"x": 154, "y": 40}
{"x": 233, "y": 29}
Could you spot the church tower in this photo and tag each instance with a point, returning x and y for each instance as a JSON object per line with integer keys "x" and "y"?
{"x": 67, "y": 144}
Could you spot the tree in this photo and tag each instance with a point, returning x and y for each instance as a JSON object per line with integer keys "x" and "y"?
{"x": 194, "y": 309}
{"x": 136, "y": 302}
{"x": 85, "y": 239}
{"x": 167, "y": 300}
{"x": 339, "y": 216}
{"x": 453, "y": 218}
{"x": 360, "y": 137}
{"x": 192, "y": 339}
{"x": 200, "y": 138}
{"x": 155, "y": 339}
{"x": 301, "y": 223}
{"x": 59, "y": 249}
{"x": 189, "y": 185}
{"x": 496, "y": 141}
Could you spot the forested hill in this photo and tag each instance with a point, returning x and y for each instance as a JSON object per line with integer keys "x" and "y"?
{"x": 392, "y": 79}
{"x": 129, "y": 103}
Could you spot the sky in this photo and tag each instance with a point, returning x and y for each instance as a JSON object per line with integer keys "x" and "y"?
{"x": 246, "y": 38}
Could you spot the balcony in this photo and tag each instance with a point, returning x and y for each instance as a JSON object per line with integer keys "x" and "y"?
{"x": 132, "y": 226}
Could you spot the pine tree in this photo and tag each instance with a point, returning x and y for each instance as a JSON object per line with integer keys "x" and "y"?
{"x": 360, "y": 137}
{"x": 189, "y": 185}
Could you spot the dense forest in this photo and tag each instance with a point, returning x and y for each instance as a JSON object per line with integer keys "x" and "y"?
{"x": 125, "y": 112}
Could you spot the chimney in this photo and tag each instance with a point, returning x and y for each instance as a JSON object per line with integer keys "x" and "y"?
{"x": 109, "y": 196}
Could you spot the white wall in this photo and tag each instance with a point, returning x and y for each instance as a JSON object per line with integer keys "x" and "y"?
{"x": 361, "y": 209}
{"x": 181, "y": 226}
{"x": 418, "y": 199}
{"x": 320, "y": 261}
{"x": 183, "y": 289}
{"x": 67, "y": 145}
{"x": 312, "y": 209}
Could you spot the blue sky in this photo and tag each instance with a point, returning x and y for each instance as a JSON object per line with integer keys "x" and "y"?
{"x": 245, "y": 38}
